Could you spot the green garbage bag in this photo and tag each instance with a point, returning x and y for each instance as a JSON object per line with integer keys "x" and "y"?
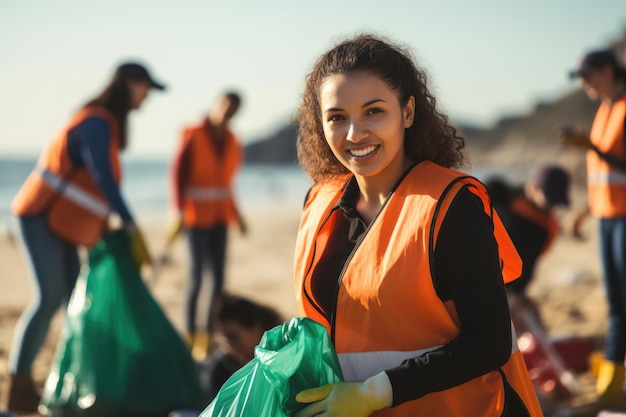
{"x": 118, "y": 354}
{"x": 290, "y": 358}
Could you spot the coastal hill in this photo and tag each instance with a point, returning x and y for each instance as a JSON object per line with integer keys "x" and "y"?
{"x": 515, "y": 144}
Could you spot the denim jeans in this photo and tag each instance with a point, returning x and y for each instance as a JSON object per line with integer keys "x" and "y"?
{"x": 207, "y": 248}
{"x": 613, "y": 255}
{"x": 54, "y": 266}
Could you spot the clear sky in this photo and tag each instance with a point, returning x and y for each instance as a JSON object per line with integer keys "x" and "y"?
{"x": 486, "y": 58}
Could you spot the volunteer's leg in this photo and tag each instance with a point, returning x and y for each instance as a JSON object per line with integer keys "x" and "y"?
{"x": 72, "y": 265}
{"x": 613, "y": 252}
{"x": 217, "y": 247}
{"x": 47, "y": 256}
{"x": 197, "y": 254}
{"x": 611, "y": 370}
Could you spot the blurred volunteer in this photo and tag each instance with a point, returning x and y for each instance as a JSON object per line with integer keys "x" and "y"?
{"x": 203, "y": 172}
{"x": 604, "y": 78}
{"x": 401, "y": 257}
{"x": 529, "y": 216}
{"x": 66, "y": 202}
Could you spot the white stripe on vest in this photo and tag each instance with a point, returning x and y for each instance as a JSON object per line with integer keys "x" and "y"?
{"x": 358, "y": 366}
{"x": 607, "y": 178}
{"x": 75, "y": 193}
{"x": 207, "y": 193}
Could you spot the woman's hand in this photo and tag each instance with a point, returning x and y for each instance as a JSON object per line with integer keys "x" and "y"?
{"x": 347, "y": 399}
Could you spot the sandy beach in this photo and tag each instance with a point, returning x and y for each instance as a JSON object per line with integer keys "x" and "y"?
{"x": 567, "y": 283}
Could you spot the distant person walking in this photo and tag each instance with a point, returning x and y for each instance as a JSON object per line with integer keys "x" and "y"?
{"x": 604, "y": 78}
{"x": 204, "y": 168}
{"x": 65, "y": 203}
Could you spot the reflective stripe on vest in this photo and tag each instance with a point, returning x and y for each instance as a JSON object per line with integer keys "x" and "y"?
{"x": 358, "y": 366}
{"x": 74, "y": 193}
{"x": 207, "y": 193}
{"x": 606, "y": 178}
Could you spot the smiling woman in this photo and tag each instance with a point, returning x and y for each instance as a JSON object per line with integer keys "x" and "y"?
{"x": 392, "y": 234}
{"x": 364, "y": 126}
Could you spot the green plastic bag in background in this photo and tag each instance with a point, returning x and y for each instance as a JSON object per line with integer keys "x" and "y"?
{"x": 290, "y": 358}
{"x": 118, "y": 354}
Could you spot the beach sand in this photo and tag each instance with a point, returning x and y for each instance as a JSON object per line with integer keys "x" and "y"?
{"x": 567, "y": 284}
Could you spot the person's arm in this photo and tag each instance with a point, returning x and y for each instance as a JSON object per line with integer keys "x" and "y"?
{"x": 467, "y": 271}
{"x": 613, "y": 160}
{"x": 92, "y": 139}
{"x": 576, "y": 137}
{"x": 180, "y": 172}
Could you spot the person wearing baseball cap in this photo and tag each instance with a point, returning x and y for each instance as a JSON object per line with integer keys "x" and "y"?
{"x": 597, "y": 61}
{"x": 603, "y": 78}
{"x": 66, "y": 203}
{"x": 138, "y": 72}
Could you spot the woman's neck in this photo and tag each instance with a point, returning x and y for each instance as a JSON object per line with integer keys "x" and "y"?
{"x": 374, "y": 193}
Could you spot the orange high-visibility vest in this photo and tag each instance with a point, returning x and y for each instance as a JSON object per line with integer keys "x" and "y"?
{"x": 74, "y": 207}
{"x": 387, "y": 308}
{"x": 207, "y": 198}
{"x": 606, "y": 185}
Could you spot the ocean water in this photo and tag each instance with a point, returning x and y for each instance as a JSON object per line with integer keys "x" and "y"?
{"x": 146, "y": 186}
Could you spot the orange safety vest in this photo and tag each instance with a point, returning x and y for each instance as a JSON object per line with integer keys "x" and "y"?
{"x": 207, "y": 198}
{"x": 74, "y": 207}
{"x": 522, "y": 207}
{"x": 606, "y": 185}
{"x": 387, "y": 286}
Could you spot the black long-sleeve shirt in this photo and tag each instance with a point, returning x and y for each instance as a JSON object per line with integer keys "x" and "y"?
{"x": 467, "y": 271}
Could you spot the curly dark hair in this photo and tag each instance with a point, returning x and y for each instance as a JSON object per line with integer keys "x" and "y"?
{"x": 431, "y": 137}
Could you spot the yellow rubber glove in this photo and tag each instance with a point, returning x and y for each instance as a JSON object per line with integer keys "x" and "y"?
{"x": 347, "y": 399}
{"x": 141, "y": 254}
{"x": 175, "y": 229}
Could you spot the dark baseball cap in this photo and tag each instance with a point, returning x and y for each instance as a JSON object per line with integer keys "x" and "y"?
{"x": 136, "y": 71}
{"x": 596, "y": 60}
{"x": 554, "y": 182}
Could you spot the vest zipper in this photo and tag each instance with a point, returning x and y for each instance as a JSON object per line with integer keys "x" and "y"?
{"x": 333, "y": 316}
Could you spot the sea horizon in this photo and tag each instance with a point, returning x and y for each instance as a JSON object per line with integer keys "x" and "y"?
{"x": 146, "y": 186}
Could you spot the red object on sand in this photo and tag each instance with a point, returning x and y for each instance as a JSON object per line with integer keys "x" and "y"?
{"x": 575, "y": 352}
{"x": 552, "y": 375}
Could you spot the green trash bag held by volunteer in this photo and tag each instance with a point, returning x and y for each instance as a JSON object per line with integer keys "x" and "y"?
{"x": 118, "y": 354}
{"x": 290, "y": 358}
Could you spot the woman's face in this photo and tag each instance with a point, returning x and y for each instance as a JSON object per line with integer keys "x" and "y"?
{"x": 138, "y": 92}
{"x": 598, "y": 83}
{"x": 364, "y": 125}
